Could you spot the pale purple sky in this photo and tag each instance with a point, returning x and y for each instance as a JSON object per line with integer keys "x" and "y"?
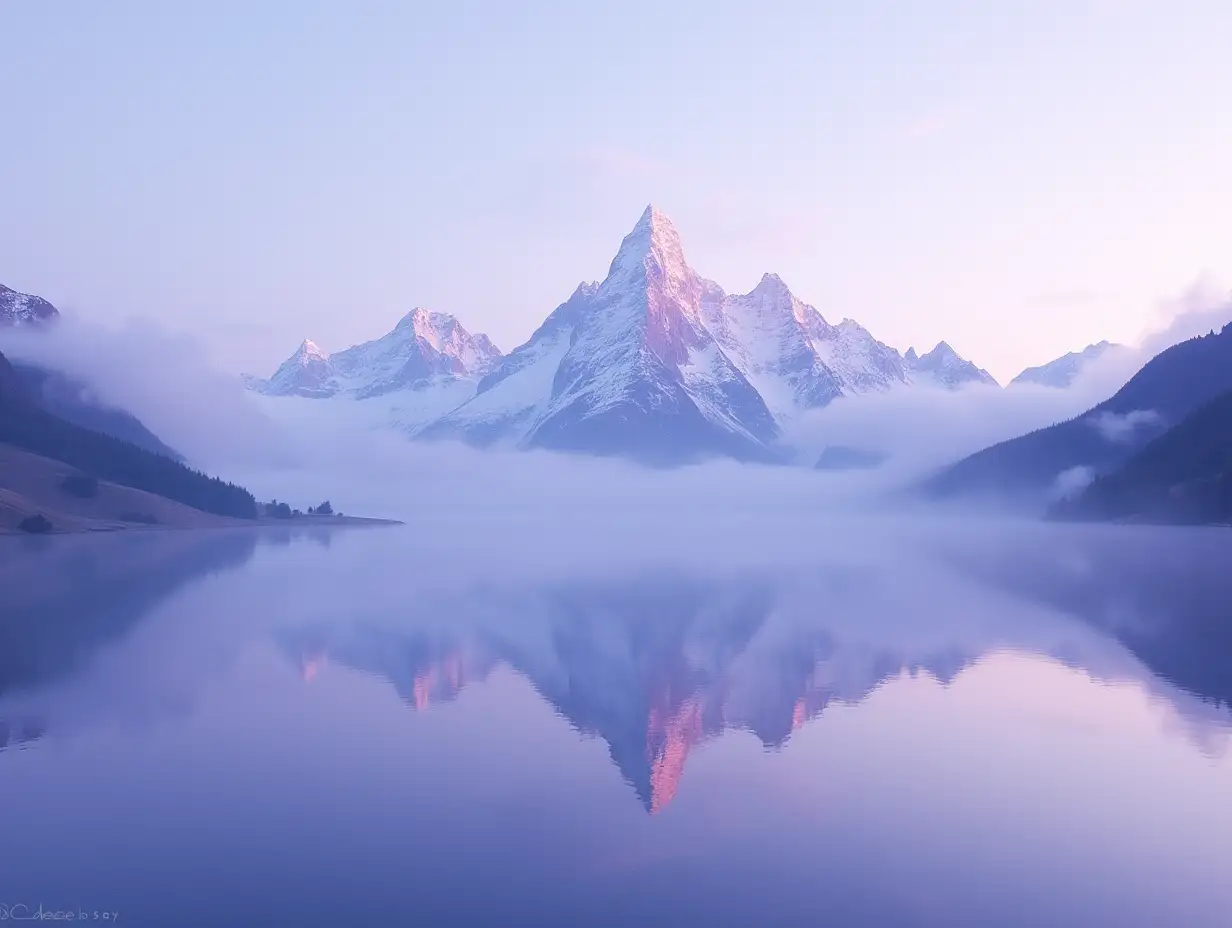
{"x": 1018, "y": 179}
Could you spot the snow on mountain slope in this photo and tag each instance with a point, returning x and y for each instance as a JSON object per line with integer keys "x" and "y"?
{"x": 643, "y": 373}
{"x": 422, "y": 348}
{"x": 423, "y": 345}
{"x": 1061, "y": 372}
{"x": 24, "y": 308}
{"x": 406, "y": 410}
{"x": 792, "y": 355}
{"x": 654, "y": 363}
{"x": 640, "y": 375}
{"x": 767, "y": 333}
{"x": 861, "y": 363}
{"x": 512, "y": 399}
{"x": 428, "y": 365}
{"x": 306, "y": 373}
{"x": 944, "y": 367}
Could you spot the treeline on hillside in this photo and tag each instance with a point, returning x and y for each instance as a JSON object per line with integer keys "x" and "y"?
{"x": 119, "y": 462}
{"x": 1185, "y": 475}
{"x": 1174, "y": 384}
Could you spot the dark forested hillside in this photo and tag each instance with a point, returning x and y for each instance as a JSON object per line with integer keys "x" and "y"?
{"x": 24, "y": 424}
{"x": 70, "y": 400}
{"x": 1185, "y": 475}
{"x": 1172, "y": 385}
{"x": 9, "y": 386}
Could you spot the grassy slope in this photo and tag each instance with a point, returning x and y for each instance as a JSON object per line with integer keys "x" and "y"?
{"x": 25, "y": 425}
{"x": 30, "y": 485}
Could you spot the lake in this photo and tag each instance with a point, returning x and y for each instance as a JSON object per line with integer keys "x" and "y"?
{"x": 882, "y": 723}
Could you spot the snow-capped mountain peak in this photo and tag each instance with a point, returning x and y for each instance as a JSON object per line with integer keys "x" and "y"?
{"x": 942, "y": 353}
{"x": 654, "y": 362}
{"x": 945, "y": 367}
{"x": 651, "y": 251}
{"x": 309, "y": 350}
{"x": 771, "y": 286}
{"x": 1062, "y": 372}
{"x": 427, "y": 324}
{"x": 625, "y": 368}
{"x": 423, "y": 347}
{"x": 773, "y": 293}
{"x": 474, "y": 354}
{"x": 658, "y": 357}
{"x": 305, "y": 373}
{"x": 24, "y": 309}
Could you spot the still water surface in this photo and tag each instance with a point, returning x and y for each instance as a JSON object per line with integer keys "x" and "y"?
{"x": 990, "y": 727}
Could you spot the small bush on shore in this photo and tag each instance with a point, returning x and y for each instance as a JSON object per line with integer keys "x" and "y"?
{"x": 35, "y": 525}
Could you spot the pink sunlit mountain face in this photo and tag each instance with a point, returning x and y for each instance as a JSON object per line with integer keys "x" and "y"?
{"x": 654, "y": 362}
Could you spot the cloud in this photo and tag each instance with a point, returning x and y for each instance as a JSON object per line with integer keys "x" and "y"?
{"x": 1204, "y": 306}
{"x": 1071, "y": 482}
{"x": 1120, "y": 429}
{"x": 922, "y": 428}
{"x": 341, "y": 454}
{"x": 167, "y": 381}
{"x": 162, "y": 378}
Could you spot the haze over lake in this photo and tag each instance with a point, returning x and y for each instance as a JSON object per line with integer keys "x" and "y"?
{"x": 879, "y": 722}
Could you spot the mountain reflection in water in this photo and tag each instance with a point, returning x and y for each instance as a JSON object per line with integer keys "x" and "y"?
{"x": 655, "y": 666}
{"x": 896, "y": 732}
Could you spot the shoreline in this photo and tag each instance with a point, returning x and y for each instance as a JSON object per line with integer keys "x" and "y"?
{"x": 262, "y": 522}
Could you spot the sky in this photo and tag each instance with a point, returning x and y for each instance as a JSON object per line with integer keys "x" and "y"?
{"x": 1019, "y": 179}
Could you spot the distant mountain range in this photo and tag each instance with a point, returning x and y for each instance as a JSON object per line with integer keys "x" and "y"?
{"x": 1062, "y": 372}
{"x": 654, "y": 363}
{"x": 659, "y": 364}
{"x": 1161, "y": 431}
{"x": 425, "y": 350}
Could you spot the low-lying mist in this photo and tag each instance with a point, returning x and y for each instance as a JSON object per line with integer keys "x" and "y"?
{"x": 168, "y": 382}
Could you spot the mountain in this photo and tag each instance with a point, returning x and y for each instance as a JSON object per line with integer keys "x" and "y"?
{"x": 788, "y": 351}
{"x": 1184, "y": 475}
{"x": 654, "y": 363}
{"x": 24, "y": 309}
{"x": 658, "y": 363}
{"x": 943, "y": 367}
{"x": 27, "y": 426}
{"x": 1172, "y": 385}
{"x": 625, "y": 367}
{"x": 1062, "y": 372}
{"x": 64, "y": 396}
{"x": 423, "y": 350}
{"x": 73, "y": 401}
